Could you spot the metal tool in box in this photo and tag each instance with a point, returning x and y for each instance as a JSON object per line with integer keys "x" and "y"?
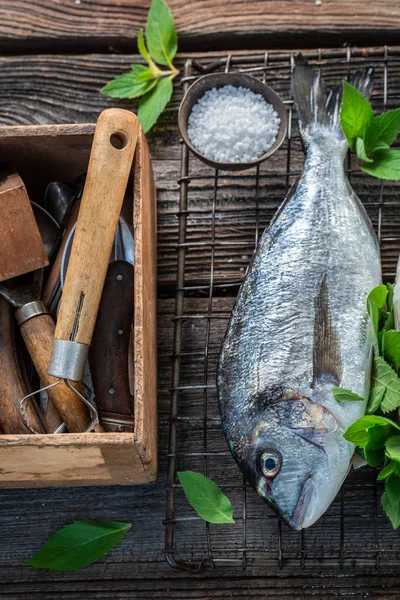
{"x": 109, "y": 351}
{"x": 106, "y": 181}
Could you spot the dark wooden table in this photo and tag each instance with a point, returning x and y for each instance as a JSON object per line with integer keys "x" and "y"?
{"x": 56, "y": 56}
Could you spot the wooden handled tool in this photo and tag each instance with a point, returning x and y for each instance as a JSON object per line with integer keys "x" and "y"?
{"x": 107, "y": 177}
{"x": 12, "y": 385}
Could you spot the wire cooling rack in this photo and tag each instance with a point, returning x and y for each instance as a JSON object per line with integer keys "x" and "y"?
{"x": 221, "y": 216}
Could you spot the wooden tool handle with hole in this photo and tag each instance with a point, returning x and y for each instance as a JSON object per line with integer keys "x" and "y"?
{"x": 110, "y": 163}
{"x": 38, "y": 334}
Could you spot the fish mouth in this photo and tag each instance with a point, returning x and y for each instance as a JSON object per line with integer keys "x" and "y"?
{"x": 298, "y": 516}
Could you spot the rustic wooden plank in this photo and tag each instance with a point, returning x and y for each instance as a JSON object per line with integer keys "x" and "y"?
{"x": 238, "y": 588}
{"x": 79, "y": 25}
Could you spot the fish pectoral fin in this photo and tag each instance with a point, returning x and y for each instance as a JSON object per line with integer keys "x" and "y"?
{"x": 304, "y": 415}
{"x": 326, "y": 353}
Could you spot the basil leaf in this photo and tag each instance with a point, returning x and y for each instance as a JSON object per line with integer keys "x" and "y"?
{"x": 381, "y": 130}
{"x": 389, "y": 299}
{"x": 392, "y": 488}
{"x": 78, "y": 545}
{"x": 390, "y": 468}
{"x": 378, "y": 295}
{"x": 206, "y": 497}
{"x": 393, "y": 448}
{"x": 374, "y": 456}
{"x": 360, "y": 150}
{"x": 130, "y": 85}
{"x": 142, "y": 47}
{"x": 342, "y": 395}
{"x": 355, "y": 114}
{"x": 161, "y": 34}
{"x": 371, "y": 431}
{"x": 384, "y": 375}
{"x": 376, "y": 395}
{"x": 391, "y": 511}
{"x": 391, "y": 348}
{"x": 386, "y": 165}
{"x": 154, "y": 102}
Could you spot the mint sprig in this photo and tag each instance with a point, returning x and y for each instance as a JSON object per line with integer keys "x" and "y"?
{"x": 370, "y": 136}
{"x": 377, "y": 434}
{"x": 151, "y": 84}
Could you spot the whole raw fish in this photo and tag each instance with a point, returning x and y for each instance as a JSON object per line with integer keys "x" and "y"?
{"x": 300, "y": 324}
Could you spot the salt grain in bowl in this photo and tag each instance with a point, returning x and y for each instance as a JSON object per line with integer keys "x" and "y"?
{"x": 232, "y": 125}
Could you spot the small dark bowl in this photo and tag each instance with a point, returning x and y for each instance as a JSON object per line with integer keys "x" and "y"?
{"x": 218, "y": 80}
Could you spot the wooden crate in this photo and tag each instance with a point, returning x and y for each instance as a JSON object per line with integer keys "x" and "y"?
{"x": 60, "y": 153}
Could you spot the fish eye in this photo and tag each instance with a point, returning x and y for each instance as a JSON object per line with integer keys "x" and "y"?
{"x": 270, "y": 463}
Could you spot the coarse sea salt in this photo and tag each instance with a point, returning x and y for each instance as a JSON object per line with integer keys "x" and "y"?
{"x": 232, "y": 125}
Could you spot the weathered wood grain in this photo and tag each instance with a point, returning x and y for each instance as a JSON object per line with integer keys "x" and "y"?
{"x": 78, "y": 25}
{"x": 237, "y": 588}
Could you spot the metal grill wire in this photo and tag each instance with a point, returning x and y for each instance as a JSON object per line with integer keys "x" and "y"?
{"x": 336, "y": 542}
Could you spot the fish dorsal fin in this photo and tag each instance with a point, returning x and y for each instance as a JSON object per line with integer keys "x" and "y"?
{"x": 326, "y": 353}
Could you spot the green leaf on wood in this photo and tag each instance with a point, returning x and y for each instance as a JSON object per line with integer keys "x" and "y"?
{"x": 382, "y": 131}
{"x": 391, "y": 348}
{"x": 360, "y": 150}
{"x": 342, "y": 395}
{"x": 206, "y": 498}
{"x": 78, "y": 545}
{"x": 153, "y": 103}
{"x": 386, "y": 165}
{"x": 355, "y": 114}
{"x": 371, "y": 431}
{"x": 130, "y": 85}
{"x": 387, "y": 470}
{"x": 393, "y": 448}
{"x": 392, "y": 488}
{"x": 161, "y": 34}
{"x": 384, "y": 376}
{"x": 391, "y": 511}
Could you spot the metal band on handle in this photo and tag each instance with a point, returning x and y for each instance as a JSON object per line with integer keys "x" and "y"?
{"x": 30, "y": 311}
{"x": 68, "y": 360}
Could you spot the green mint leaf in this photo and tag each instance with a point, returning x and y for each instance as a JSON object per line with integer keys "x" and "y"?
{"x": 384, "y": 375}
{"x": 142, "y": 47}
{"x": 154, "y": 102}
{"x": 206, "y": 498}
{"x": 391, "y": 511}
{"x": 355, "y": 114}
{"x": 392, "y": 488}
{"x": 360, "y": 150}
{"x": 389, "y": 299}
{"x": 382, "y": 131}
{"x": 390, "y": 468}
{"x": 391, "y": 348}
{"x": 393, "y": 448}
{"x": 153, "y": 69}
{"x": 78, "y": 545}
{"x": 386, "y": 165}
{"x": 342, "y": 395}
{"x": 137, "y": 82}
{"x": 161, "y": 35}
{"x": 378, "y": 295}
{"x": 374, "y": 456}
{"x": 376, "y": 395}
{"x": 371, "y": 431}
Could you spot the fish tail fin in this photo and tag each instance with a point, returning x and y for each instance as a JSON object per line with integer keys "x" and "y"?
{"x": 318, "y": 105}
